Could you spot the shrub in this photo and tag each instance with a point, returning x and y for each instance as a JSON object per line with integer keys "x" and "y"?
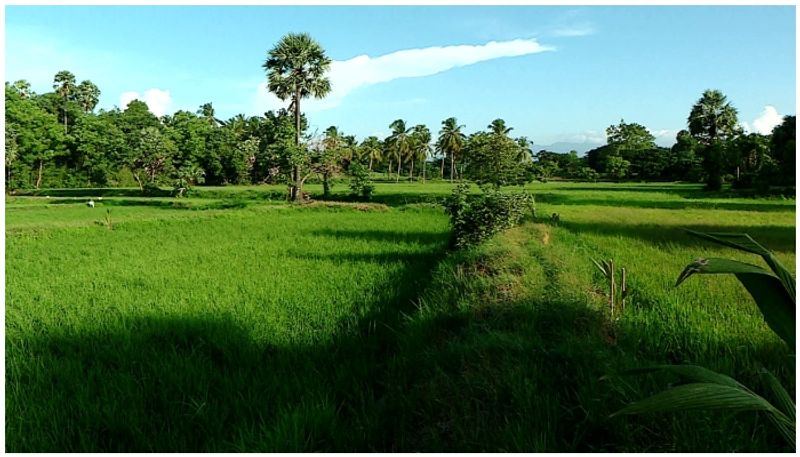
{"x": 475, "y": 218}
{"x": 360, "y": 182}
{"x": 587, "y": 174}
{"x": 151, "y": 188}
{"x": 186, "y": 178}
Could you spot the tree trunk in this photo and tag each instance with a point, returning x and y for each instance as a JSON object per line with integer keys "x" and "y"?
{"x": 370, "y": 163}
{"x": 444, "y": 159}
{"x": 452, "y": 167}
{"x": 39, "y": 174}
{"x": 296, "y": 185}
{"x": 389, "y": 170}
{"x": 399, "y": 164}
{"x": 138, "y": 180}
{"x": 326, "y": 187}
{"x": 424, "y": 166}
{"x": 411, "y": 174}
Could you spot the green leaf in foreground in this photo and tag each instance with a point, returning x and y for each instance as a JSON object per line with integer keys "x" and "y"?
{"x": 774, "y": 301}
{"x": 706, "y": 395}
{"x": 701, "y": 395}
{"x": 692, "y": 372}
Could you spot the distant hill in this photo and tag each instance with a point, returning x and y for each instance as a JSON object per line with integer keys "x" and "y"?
{"x": 583, "y": 148}
{"x": 564, "y": 146}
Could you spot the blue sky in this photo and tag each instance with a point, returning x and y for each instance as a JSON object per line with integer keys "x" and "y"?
{"x": 555, "y": 74}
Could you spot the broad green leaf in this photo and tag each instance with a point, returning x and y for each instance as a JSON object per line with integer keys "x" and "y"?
{"x": 744, "y": 242}
{"x": 693, "y": 372}
{"x": 741, "y": 241}
{"x": 785, "y": 426}
{"x": 772, "y": 298}
{"x": 783, "y": 399}
{"x": 717, "y": 266}
{"x": 699, "y": 396}
{"x": 783, "y": 274}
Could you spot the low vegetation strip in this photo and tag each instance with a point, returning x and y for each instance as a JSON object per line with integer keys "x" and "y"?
{"x": 512, "y": 338}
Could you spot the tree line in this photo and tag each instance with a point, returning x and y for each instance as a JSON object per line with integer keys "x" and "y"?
{"x": 712, "y": 149}
{"x": 56, "y": 139}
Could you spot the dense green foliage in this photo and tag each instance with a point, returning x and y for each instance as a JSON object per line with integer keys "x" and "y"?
{"x": 476, "y": 218}
{"x": 360, "y": 182}
{"x": 114, "y": 148}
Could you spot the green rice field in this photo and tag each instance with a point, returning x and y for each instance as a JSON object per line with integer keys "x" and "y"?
{"x": 231, "y": 321}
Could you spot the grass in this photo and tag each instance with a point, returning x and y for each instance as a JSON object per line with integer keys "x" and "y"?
{"x": 229, "y": 321}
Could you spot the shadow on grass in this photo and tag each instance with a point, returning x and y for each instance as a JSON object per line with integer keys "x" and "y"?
{"x": 779, "y": 238}
{"x": 553, "y": 198}
{"x": 162, "y": 204}
{"x": 196, "y": 383}
{"x": 524, "y": 376}
{"x": 388, "y": 199}
{"x": 96, "y": 192}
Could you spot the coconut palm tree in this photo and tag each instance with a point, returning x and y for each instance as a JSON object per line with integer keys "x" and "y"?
{"x": 64, "y": 85}
{"x": 372, "y": 148}
{"x": 87, "y": 94}
{"x": 206, "y": 111}
{"x": 399, "y": 142}
{"x": 296, "y": 69}
{"x": 421, "y": 145}
{"x": 451, "y": 142}
{"x": 498, "y": 127}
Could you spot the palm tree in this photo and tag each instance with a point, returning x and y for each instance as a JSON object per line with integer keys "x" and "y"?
{"x": 23, "y": 87}
{"x": 399, "y": 142}
{"x": 64, "y": 85}
{"x": 206, "y": 111}
{"x": 296, "y": 69}
{"x": 371, "y": 147}
{"x": 87, "y": 95}
{"x": 451, "y": 141}
{"x": 332, "y": 139}
{"x": 712, "y": 117}
{"x": 711, "y": 121}
{"x": 498, "y": 127}
{"x": 421, "y": 137}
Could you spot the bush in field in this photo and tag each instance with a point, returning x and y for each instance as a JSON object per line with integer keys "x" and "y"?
{"x": 360, "y": 182}
{"x": 587, "y": 174}
{"x": 186, "y": 178}
{"x": 475, "y": 218}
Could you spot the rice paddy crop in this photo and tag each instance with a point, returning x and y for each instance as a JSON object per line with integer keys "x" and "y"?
{"x": 230, "y": 321}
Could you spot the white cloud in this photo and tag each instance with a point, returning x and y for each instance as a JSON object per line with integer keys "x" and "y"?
{"x": 157, "y": 100}
{"x": 575, "y": 30}
{"x": 349, "y": 75}
{"x": 766, "y": 121}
